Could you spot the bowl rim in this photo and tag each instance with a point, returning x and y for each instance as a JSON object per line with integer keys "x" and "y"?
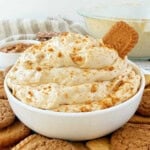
{"x": 113, "y": 18}
{"x": 93, "y": 12}
{"x": 79, "y": 114}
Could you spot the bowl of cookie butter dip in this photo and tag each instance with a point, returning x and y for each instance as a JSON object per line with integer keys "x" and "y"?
{"x": 10, "y": 51}
{"x": 76, "y": 87}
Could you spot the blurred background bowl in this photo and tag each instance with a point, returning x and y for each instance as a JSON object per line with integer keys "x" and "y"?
{"x": 9, "y": 58}
{"x": 99, "y": 20}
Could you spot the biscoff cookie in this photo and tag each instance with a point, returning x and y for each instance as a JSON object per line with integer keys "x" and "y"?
{"x": 13, "y": 134}
{"x": 3, "y": 99}
{"x": 144, "y": 107}
{"x": 99, "y": 144}
{"x": 121, "y": 37}
{"x": 5, "y": 148}
{"x": 1, "y": 74}
{"x": 1, "y": 82}
{"x": 131, "y": 137}
{"x": 80, "y": 146}
{"x": 1, "y": 77}
{"x": 147, "y": 79}
{"x": 1, "y": 86}
{"x": 7, "y": 70}
{"x": 7, "y": 116}
{"x": 2, "y": 93}
{"x": 140, "y": 119}
{"x": 40, "y": 142}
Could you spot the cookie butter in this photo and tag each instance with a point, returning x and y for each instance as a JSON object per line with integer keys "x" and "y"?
{"x": 72, "y": 73}
{"x": 16, "y": 48}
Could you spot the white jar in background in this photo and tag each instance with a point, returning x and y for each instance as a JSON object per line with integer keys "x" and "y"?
{"x": 100, "y": 19}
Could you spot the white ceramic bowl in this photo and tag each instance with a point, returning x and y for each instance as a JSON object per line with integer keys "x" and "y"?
{"x": 76, "y": 126}
{"x": 8, "y": 59}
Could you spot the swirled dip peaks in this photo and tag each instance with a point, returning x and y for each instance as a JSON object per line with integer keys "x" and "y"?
{"x": 72, "y": 73}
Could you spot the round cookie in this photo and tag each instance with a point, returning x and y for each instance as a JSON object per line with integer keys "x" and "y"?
{"x": 144, "y": 107}
{"x": 39, "y": 142}
{"x": 140, "y": 119}
{"x": 7, "y": 116}
{"x": 1, "y": 79}
{"x": 2, "y": 93}
{"x": 13, "y": 134}
{"x": 1, "y": 99}
{"x": 131, "y": 137}
{"x": 80, "y": 146}
{"x": 7, "y": 70}
{"x": 147, "y": 79}
{"x": 99, "y": 144}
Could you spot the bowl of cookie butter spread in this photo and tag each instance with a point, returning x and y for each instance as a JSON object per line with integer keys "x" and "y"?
{"x": 76, "y": 87}
{"x": 10, "y": 51}
{"x": 100, "y": 18}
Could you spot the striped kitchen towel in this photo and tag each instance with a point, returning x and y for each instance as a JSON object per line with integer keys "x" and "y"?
{"x": 26, "y": 29}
